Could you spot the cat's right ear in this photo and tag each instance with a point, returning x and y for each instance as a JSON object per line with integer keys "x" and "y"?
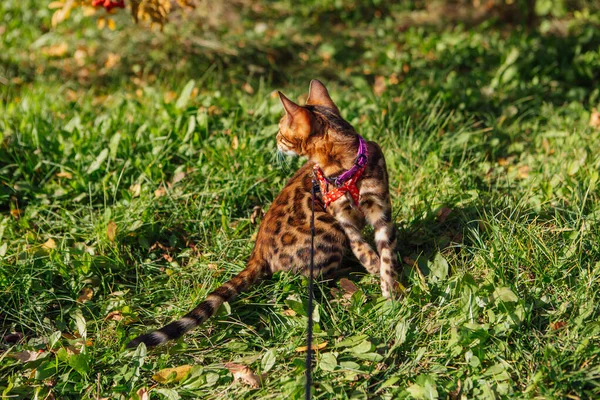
{"x": 290, "y": 107}
{"x": 298, "y": 118}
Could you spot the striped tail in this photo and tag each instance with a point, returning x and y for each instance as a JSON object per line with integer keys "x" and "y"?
{"x": 226, "y": 292}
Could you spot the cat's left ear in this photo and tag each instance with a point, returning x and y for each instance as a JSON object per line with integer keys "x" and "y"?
{"x": 319, "y": 96}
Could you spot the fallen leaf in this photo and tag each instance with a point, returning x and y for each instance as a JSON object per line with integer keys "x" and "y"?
{"x": 379, "y": 86}
{"x": 135, "y": 189}
{"x": 595, "y": 119}
{"x": 170, "y": 96}
{"x": 557, "y": 325}
{"x": 523, "y": 172}
{"x": 114, "y": 316}
{"x": 111, "y": 231}
{"x": 13, "y": 338}
{"x": 167, "y": 257}
{"x": 319, "y": 346}
{"x": 442, "y": 214}
{"x": 50, "y": 244}
{"x": 143, "y": 393}
{"x": 178, "y": 177}
{"x": 66, "y": 175}
{"x": 243, "y": 373}
{"x": 16, "y": 213}
{"x": 348, "y": 286}
{"x": 86, "y": 294}
{"x": 160, "y": 192}
{"x": 289, "y": 312}
{"x": 257, "y": 212}
{"x": 25, "y": 356}
{"x": 408, "y": 261}
{"x": 168, "y": 375}
{"x": 247, "y": 88}
{"x": 57, "y": 50}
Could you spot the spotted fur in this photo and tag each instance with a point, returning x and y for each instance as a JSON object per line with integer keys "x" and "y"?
{"x": 316, "y": 131}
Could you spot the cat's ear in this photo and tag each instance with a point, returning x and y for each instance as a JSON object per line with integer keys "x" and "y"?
{"x": 319, "y": 96}
{"x": 298, "y": 118}
{"x": 290, "y": 107}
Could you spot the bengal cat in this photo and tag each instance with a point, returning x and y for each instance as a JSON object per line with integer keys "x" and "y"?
{"x": 334, "y": 151}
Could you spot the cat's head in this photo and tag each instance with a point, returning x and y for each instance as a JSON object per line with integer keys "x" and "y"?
{"x": 315, "y": 127}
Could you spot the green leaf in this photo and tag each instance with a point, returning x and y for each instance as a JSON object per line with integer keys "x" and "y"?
{"x": 45, "y": 370}
{"x": 184, "y": 97}
{"x": 327, "y": 362}
{"x": 80, "y": 323}
{"x": 363, "y": 347}
{"x": 98, "y": 162}
{"x": 114, "y": 145}
{"x": 439, "y": 268}
{"x": 424, "y": 388}
{"x": 169, "y": 394}
{"x": 505, "y": 294}
{"x": 80, "y": 363}
{"x": 268, "y": 360}
{"x": 351, "y": 341}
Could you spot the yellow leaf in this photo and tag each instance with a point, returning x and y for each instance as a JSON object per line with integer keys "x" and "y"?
{"x": 111, "y": 24}
{"x": 56, "y": 4}
{"x": 49, "y": 245}
{"x": 111, "y": 231}
{"x": 135, "y": 190}
{"x": 66, "y": 175}
{"x": 101, "y": 22}
{"x": 319, "y": 346}
{"x": 244, "y": 374}
{"x": 85, "y": 294}
{"x": 169, "y": 375}
{"x": 57, "y": 50}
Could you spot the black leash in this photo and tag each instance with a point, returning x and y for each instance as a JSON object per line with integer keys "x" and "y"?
{"x": 307, "y": 390}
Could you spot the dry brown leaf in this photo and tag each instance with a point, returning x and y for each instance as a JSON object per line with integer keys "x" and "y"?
{"x": 167, "y": 257}
{"x": 66, "y": 175}
{"x": 348, "y": 286}
{"x": 247, "y": 88}
{"x": 114, "y": 316}
{"x": 244, "y": 374}
{"x": 289, "y": 312}
{"x": 235, "y": 143}
{"x": 86, "y": 294}
{"x": 257, "y": 212}
{"x": 135, "y": 190}
{"x": 442, "y": 214}
{"x": 379, "y": 86}
{"x": 164, "y": 375}
{"x": 523, "y": 172}
{"x": 408, "y": 261}
{"x": 26, "y": 355}
{"x": 178, "y": 177}
{"x": 111, "y": 231}
{"x": 319, "y": 346}
{"x": 57, "y": 50}
{"x": 595, "y": 119}
{"x": 50, "y": 244}
{"x": 160, "y": 192}
{"x": 170, "y": 96}
{"x": 16, "y": 213}
{"x": 557, "y": 325}
{"x": 143, "y": 394}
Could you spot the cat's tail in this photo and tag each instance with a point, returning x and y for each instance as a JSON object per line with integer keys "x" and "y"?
{"x": 226, "y": 292}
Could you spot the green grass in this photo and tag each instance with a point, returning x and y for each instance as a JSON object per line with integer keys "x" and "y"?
{"x": 176, "y": 146}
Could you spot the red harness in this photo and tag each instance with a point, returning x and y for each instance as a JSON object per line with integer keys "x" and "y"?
{"x": 346, "y": 181}
{"x": 347, "y": 187}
